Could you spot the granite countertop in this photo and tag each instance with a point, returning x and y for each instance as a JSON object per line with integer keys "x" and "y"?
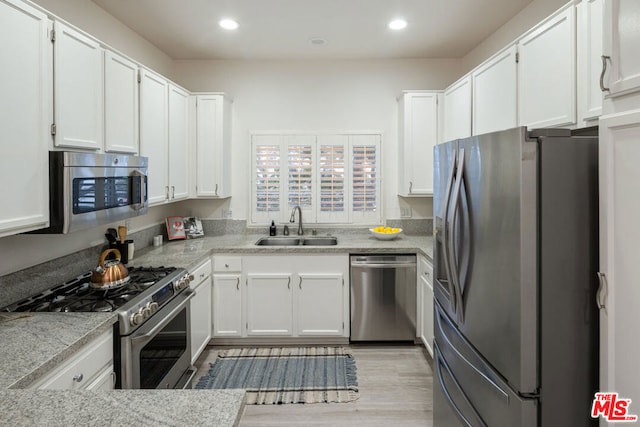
{"x": 188, "y": 253}
{"x": 35, "y": 343}
{"x": 66, "y": 408}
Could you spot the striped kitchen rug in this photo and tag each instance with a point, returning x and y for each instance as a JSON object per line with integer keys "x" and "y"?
{"x": 285, "y": 374}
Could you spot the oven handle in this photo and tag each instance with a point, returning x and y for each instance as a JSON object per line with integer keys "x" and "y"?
{"x": 188, "y": 294}
{"x": 143, "y": 189}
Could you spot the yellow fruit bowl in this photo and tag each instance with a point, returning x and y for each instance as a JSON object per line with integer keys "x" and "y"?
{"x": 385, "y": 233}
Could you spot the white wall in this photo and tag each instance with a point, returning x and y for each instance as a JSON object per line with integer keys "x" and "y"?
{"x": 535, "y": 12}
{"x": 92, "y": 19}
{"x": 314, "y": 96}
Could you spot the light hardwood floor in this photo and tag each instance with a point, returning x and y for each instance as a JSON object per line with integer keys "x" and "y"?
{"x": 395, "y": 384}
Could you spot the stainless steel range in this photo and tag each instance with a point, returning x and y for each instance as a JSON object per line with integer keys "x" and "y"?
{"x": 152, "y": 335}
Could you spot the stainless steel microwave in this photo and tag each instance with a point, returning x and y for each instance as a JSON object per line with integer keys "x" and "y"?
{"x": 88, "y": 190}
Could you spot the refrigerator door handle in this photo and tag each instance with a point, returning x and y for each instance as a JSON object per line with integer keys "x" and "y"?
{"x": 440, "y": 363}
{"x": 453, "y": 262}
{"x": 445, "y": 255}
{"x": 601, "y": 295}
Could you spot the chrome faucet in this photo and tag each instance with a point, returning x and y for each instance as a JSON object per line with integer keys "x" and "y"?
{"x": 293, "y": 219}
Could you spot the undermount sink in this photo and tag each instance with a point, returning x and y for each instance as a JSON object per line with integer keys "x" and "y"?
{"x": 297, "y": 241}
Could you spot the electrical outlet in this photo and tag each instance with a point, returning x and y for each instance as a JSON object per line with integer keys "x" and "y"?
{"x": 227, "y": 213}
{"x": 405, "y": 212}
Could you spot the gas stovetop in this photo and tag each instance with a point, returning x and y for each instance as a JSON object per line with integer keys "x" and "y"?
{"x": 148, "y": 289}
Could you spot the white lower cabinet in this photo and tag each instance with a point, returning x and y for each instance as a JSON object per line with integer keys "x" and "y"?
{"x": 227, "y": 297}
{"x": 90, "y": 369}
{"x": 281, "y": 296}
{"x": 269, "y": 299}
{"x": 201, "y": 309}
{"x": 425, "y": 302}
{"x": 320, "y": 301}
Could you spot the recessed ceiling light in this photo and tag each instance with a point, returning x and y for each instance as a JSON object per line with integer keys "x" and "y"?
{"x": 317, "y": 41}
{"x": 398, "y": 24}
{"x": 228, "y": 24}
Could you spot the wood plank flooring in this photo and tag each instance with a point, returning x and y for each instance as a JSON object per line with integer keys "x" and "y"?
{"x": 395, "y": 384}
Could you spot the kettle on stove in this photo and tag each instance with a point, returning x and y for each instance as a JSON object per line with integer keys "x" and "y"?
{"x": 109, "y": 274}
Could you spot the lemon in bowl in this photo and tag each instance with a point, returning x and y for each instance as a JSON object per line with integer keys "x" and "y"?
{"x": 385, "y": 233}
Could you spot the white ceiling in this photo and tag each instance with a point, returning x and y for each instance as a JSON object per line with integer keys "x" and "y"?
{"x": 282, "y": 29}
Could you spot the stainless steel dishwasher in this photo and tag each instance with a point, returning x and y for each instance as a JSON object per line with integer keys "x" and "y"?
{"x": 383, "y": 297}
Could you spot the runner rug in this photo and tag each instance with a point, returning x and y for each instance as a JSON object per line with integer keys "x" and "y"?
{"x": 285, "y": 374}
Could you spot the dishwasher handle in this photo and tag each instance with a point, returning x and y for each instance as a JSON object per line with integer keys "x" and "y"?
{"x": 389, "y": 265}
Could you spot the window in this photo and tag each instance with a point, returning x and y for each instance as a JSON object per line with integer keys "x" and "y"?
{"x": 335, "y": 179}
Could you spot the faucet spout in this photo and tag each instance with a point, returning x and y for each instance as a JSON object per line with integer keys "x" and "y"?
{"x": 293, "y": 219}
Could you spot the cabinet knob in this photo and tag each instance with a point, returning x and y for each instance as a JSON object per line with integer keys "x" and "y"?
{"x": 226, "y": 266}
{"x": 78, "y": 378}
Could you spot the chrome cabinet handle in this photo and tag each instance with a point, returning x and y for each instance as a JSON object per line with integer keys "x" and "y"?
{"x": 300, "y": 283}
{"x": 216, "y": 190}
{"x": 78, "y": 378}
{"x": 601, "y": 295}
{"x": 289, "y": 283}
{"x": 166, "y": 192}
{"x": 173, "y": 191}
{"x": 604, "y": 70}
{"x": 238, "y": 283}
{"x": 410, "y": 186}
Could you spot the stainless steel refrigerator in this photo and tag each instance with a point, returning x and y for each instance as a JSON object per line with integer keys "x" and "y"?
{"x": 515, "y": 261}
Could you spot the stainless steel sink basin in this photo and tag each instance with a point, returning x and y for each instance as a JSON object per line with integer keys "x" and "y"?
{"x": 278, "y": 241}
{"x": 297, "y": 241}
{"x": 320, "y": 241}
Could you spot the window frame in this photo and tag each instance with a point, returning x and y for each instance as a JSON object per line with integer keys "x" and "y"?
{"x": 314, "y": 215}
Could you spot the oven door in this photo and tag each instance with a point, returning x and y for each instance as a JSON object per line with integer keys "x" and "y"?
{"x": 158, "y": 354}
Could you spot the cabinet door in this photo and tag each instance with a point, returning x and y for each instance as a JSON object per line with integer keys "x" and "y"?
{"x": 120, "y": 104}
{"x": 213, "y": 146}
{"x": 457, "y": 110}
{"x": 201, "y": 318}
{"x": 227, "y": 305}
{"x": 78, "y": 88}
{"x": 153, "y": 134}
{"x": 24, "y": 125}
{"x": 495, "y": 93}
{"x": 546, "y": 73}
{"x": 426, "y": 283}
{"x": 589, "y": 33}
{"x": 619, "y": 293}
{"x": 178, "y": 143}
{"x": 269, "y": 304}
{"x": 419, "y": 134}
{"x": 621, "y": 34}
{"x": 319, "y": 304}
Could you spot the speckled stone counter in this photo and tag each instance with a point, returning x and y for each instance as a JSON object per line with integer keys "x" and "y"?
{"x": 32, "y": 344}
{"x": 121, "y": 408}
{"x": 188, "y": 253}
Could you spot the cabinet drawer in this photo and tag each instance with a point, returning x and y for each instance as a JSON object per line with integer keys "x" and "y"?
{"x": 227, "y": 264}
{"x": 82, "y": 368}
{"x": 200, "y": 273}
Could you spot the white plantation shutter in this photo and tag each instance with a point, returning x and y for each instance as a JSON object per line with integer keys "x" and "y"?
{"x": 333, "y": 178}
{"x": 365, "y": 181}
{"x": 267, "y": 179}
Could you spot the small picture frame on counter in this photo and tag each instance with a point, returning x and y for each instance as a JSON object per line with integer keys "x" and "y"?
{"x": 175, "y": 228}
{"x": 193, "y": 227}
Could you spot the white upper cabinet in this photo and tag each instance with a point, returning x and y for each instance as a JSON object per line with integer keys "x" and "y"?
{"x": 546, "y": 72}
{"x": 495, "y": 89}
{"x": 418, "y": 135}
{"x": 24, "y": 125}
{"x": 589, "y": 42}
{"x": 154, "y": 141}
{"x": 621, "y": 35}
{"x": 457, "y": 110}
{"x": 120, "y": 104}
{"x": 78, "y": 89}
{"x": 178, "y": 143}
{"x": 213, "y": 145}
